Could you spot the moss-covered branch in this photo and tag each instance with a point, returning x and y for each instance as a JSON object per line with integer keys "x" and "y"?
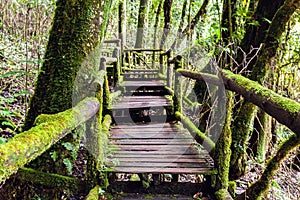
{"x": 206, "y": 142}
{"x": 284, "y": 110}
{"x": 28, "y": 145}
{"x": 258, "y": 189}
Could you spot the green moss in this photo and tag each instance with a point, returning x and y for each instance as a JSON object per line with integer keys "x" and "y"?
{"x": 28, "y": 145}
{"x": 223, "y": 148}
{"x": 193, "y": 129}
{"x": 94, "y": 193}
{"x": 252, "y": 86}
{"x": 223, "y": 195}
{"x": 232, "y": 188}
{"x": 50, "y": 180}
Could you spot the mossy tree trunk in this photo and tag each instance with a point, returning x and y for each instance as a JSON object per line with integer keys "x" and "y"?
{"x": 258, "y": 189}
{"x": 141, "y": 24}
{"x": 280, "y": 14}
{"x": 78, "y": 28}
{"x": 167, "y": 22}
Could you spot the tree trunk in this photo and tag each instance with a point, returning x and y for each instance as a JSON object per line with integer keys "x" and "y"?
{"x": 156, "y": 24}
{"x": 141, "y": 23}
{"x": 167, "y": 15}
{"x": 77, "y": 29}
{"x": 122, "y": 23}
{"x": 257, "y": 28}
{"x": 243, "y": 120}
{"x": 259, "y": 189}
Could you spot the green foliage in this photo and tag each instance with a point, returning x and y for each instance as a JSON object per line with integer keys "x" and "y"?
{"x": 2, "y": 140}
{"x": 68, "y": 165}
{"x": 53, "y": 155}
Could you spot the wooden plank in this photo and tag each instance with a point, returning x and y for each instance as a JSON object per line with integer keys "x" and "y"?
{"x": 144, "y": 97}
{"x": 138, "y": 50}
{"x": 124, "y": 105}
{"x": 149, "y": 147}
{"x": 149, "y": 161}
{"x": 154, "y": 155}
{"x": 134, "y": 71}
{"x": 161, "y": 170}
{"x": 143, "y": 136}
{"x": 161, "y": 152}
{"x": 148, "y": 131}
{"x": 152, "y": 141}
{"x": 142, "y": 125}
{"x": 141, "y": 83}
{"x": 161, "y": 165}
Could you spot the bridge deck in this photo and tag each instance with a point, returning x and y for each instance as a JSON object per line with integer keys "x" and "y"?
{"x": 162, "y": 146}
{"x": 156, "y": 148}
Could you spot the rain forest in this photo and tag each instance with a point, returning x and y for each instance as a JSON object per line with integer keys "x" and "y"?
{"x": 149, "y": 99}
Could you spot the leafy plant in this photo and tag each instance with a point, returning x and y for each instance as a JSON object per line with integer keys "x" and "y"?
{"x": 68, "y": 165}
{"x": 2, "y": 140}
{"x": 53, "y": 155}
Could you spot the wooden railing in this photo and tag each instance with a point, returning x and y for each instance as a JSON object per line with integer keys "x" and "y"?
{"x": 49, "y": 129}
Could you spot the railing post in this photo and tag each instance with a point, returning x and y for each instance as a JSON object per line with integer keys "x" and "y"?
{"x": 106, "y": 98}
{"x": 116, "y": 71}
{"x": 169, "y": 70}
{"x": 177, "y": 98}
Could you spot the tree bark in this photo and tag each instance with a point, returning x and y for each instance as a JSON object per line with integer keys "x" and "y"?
{"x": 167, "y": 24}
{"x": 242, "y": 125}
{"x": 141, "y": 23}
{"x": 77, "y": 30}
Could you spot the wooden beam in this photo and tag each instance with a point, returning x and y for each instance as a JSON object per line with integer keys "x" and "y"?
{"x": 30, "y": 144}
{"x": 286, "y": 111}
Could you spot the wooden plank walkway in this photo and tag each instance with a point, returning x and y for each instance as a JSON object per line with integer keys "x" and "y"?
{"x": 162, "y": 146}
{"x": 156, "y": 148}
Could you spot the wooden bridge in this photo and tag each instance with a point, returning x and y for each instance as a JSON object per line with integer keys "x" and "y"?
{"x": 144, "y": 136}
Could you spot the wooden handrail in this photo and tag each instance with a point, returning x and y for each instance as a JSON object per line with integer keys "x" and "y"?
{"x": 30, "y": 144}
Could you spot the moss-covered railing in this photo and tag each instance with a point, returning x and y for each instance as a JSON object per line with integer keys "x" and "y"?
{"x": 284, "y": 110}
{"x": 49, "y": 129}
{"x": 30, "y": 144}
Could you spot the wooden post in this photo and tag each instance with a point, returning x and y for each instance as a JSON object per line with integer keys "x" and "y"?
{"x": 177, "y": 98}
{"x": 116, "y": 71}
{"x": 106, "y": 97}
{"x": 169, "y": 70}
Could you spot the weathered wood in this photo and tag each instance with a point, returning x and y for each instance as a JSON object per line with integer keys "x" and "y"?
{"x": 141, "y": 50}
{"x": 112, "y": 41}
{"x": 163, "y": 170}
{"x": 138, "y": 84}
{"x": 147, "y": 148}
{"x": 152, "y": 141}
{"x": 207, "y": 142}
{"x": 157, "y": 161}
{"x": 30, "y": 144}
{"x": 284, "y": 110}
